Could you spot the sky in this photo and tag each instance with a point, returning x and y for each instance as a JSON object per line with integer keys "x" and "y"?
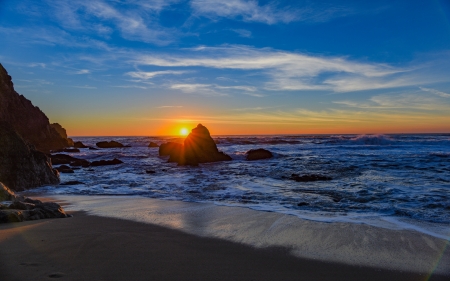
{"x": 147, "y": 68}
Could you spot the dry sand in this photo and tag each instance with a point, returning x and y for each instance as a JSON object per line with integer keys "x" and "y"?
{"x": 97, "y": 248}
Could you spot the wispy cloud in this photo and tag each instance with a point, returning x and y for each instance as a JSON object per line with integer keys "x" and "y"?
{"x": 252, "y": 11}
{"x": 170, "y": 106}
{"x": 397, "y": 102}
{"x": 293, "y": 71}
{"x": 83, "y": 71}
{"x": 436, "y": 92}
{"x": 85, "y": 87}
{"x": 130, "y": 87}
{"x": 200, "y": 89}
{"x": 135, "y": 20}
{"x": 242, "y": 32}
{"x": 148, "y": 75}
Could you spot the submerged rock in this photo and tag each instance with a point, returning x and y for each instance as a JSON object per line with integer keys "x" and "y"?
{"x": 115, "y": 161}
{"x": 110, "y": 144}
{"x": 21, "y": 165}
{"x": 258, "y": 154}
{"x": 310, "y": 177}
{"x": 71, "y": 183}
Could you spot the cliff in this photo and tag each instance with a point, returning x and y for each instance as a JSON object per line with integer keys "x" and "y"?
{"x": 26, "y": 119}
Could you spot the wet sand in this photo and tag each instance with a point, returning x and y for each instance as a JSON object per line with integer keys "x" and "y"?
{"x": 87, "y": 247}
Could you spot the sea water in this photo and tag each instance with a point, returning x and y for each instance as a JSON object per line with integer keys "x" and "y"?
{"x": 399, "y": 181}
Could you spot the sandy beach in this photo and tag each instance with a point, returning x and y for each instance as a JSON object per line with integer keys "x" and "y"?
{"x": 91, "y": 247}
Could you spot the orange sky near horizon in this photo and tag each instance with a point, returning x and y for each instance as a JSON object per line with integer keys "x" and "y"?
{"x": 174, "y": 127}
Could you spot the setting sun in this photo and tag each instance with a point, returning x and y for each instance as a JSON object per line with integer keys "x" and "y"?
{"x": 184, "y": 132}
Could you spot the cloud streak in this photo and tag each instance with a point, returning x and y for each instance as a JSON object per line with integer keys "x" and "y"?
{"x": 292, "y": 71}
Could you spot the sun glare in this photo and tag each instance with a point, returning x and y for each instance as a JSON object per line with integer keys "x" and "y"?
{"x": 184, "y": 132}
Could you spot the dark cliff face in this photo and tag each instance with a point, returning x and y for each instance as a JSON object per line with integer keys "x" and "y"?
{"x": 26, "y": 119}
{"x": 21, "y": 165}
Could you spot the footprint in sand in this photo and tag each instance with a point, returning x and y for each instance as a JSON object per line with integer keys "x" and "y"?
{"x": 56, "y": 275}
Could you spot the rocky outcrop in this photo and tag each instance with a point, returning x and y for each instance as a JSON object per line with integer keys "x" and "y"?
{"x": 21, "y": 165}
{"x": 62, "y": 132}
{"x": 79, "y": 144}
{"x": 258, "y": 154}
{"x": 115, "y": 161}
{"x": 172, "y": 149}
{"x": 153, "y": 144}
{"x": 198, "y": 147}
{"x": 26, "y": 119}
{"x": 110, "y": 144}
{"x": 59, "y": 159}
{"x": 23, "y": 208}
{"x": 5, "y": 193}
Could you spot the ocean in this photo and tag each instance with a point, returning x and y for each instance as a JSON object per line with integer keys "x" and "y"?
{"x": 394, "y": 181}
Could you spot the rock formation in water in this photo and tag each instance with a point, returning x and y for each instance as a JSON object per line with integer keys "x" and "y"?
{"x": 24, "y": 208}
{"x": 258, "y": 154}
{"x": 79, "y": 144}
{"x": 26, "y": 119}
{"x": 172, "y": 149}
{"x": 110, "y": 144}
{"x": 198, "y": 147}
{"x": 153, "y": 144}
{"x": 21, "y": 165}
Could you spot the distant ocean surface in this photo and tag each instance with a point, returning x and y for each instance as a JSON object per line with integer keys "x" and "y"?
{"x": 400, "y": 181}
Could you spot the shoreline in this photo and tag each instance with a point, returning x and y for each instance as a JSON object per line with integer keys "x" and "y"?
{"x": 353, "y": 244}
{"x": 89, "y": 247}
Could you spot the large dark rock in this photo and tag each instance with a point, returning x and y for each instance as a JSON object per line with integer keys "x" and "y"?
{"x": 26, "y": 119}
{"x": 110, "y": 144}
{"x": 21, "y": 165}
{"x": 258, "y": 154}
{"x": 198, "y": 147}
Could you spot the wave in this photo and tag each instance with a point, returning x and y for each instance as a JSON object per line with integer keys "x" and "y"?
{"x": 372, "y": 140}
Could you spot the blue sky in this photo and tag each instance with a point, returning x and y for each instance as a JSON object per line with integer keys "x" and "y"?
{"x": 132, "y": 67}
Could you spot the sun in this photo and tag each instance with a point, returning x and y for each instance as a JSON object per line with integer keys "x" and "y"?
{"x": 184, "y": 132}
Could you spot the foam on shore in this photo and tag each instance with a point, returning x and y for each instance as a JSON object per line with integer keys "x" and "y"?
{"x": 356, "y": 244}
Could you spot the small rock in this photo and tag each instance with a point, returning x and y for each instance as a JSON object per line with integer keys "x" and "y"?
{"x": 115, "y": 161}
{"x": 64, "y": 169}
{"x": 71, "y": 183}
{"x": 150, "y": 172}
{"x": 79, "y": 144}
{"x": 111, "y": 144}
{"x": 153, "y": 144}
{"x": 258, "y": 154}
